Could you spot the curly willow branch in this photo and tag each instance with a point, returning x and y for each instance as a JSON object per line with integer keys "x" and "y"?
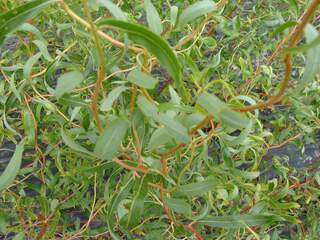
{"x": 102, "y": 67}
{"x": 287, "y": 60}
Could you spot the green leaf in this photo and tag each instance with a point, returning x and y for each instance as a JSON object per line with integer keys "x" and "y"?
{"x": 233, "y": 119}
{"x": 27, "y": 27}
{"x": 240, "y": 221}
{"x": 198, "y": 188}
{"x": 221, "y": 112}
{"x": 12, "y": 170}
{"x": 43, "y": 49}
{"x": 312, "y": 63}
{"x": 107, "y": 103}
{"x": 153, "y": 18}
{"x": 245, "y": 174}
{"x": 72, "y": 144}
{"x": 156, "y": 45}
{"x": 142, "y": 79}
{"x": 117, "y": 198}
{"x": 178, "y": 206}
{"x": 119, "y": 195}
{"x": 29, "y": 64}
{"x": 114, "y": 9}
{"x": 137, "y": 205}
{"x": 148, "y": 109}
{"x": 12, "y": 19}
{"x": 175, "y": 129}
{"x": 283, "y": 27}
{"x": 159, "y": 137}
{"x": 67, "y": 82}
{"x": 285, "y": 205}
{"x": 196, "y": 10}
{"x": 211, "y": 103}
{"x": 108, "y": 143}
{"x": 312, "y": 44}
{"x": 29, "y": 127}
{"x": 174, "y": 15}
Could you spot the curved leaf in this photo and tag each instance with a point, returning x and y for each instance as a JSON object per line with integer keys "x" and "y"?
{"x": 136, "y": 209}
{"x": 156, "y": 45}
{"x": 108, "y": 143}
{"x": 112, "y": 96}
{"x": 67, "y": 82}
{"x": 29, "y": 64}
{"x": 174, "y": 10}
{"x": 175, "y": 128}
{"x": 13, "y": 167}
{"x": 239, "y": 221}
{"x": 220, "y": 110}
{"x": 114, "y": 9}
{"x": 27, "y": 27}
{"x": 12, "y": 19}
{"x": 43, "y": 49}
{"x": 29, "y": 127}
{"x": 72, "y": 144}
{"x": 178, "y": 206}
{"x": 196, "y": 10}
{"x": 153, "y": 18}
{"x": 312, "y": 62}
{"x": 198, "y": 188}
{"x": 142, "y": 79}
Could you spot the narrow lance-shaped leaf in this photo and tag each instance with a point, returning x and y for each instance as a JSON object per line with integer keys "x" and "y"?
{"x": 12, "y": 19}
{"x": 240, "y": 221}
{"x": 72, "y": 144}
{"x": 142, "y": 79}
{"x": 112, "y": 96}
{"x": 137, "y": 204}
{"x": 29, "y": 126}
{"x": 196, "y": 10}
{"x": 12, "y": 170}
{"x": 109, "y": 142}
{"x": 313, "y": 60}
{"x": 27, "y": 27}
{"x": 159, "y": 137}
{"x": 29, "y": 64}
{"x": 153, "y": 18}
{"x": 178, "y": 206}
{"x": 118, "y": 196}
{"x": 176, "y": 129}
{"x": 156, "y": 45}
{"x": 148, "y": 109}
{"x": 174, "y": 15}
{"x": 67, "y": 82}
{"x": 114, "y": 9}
{"x": 221, "y": 112}
{"x": 43, "y": 49}
{"x": 198, "y": 188}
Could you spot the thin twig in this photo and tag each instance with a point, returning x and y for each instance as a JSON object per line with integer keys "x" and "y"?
{"x": 100, "y": 33}
{"x": 163, "y": 158}
{"x": 102, "y": 66}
